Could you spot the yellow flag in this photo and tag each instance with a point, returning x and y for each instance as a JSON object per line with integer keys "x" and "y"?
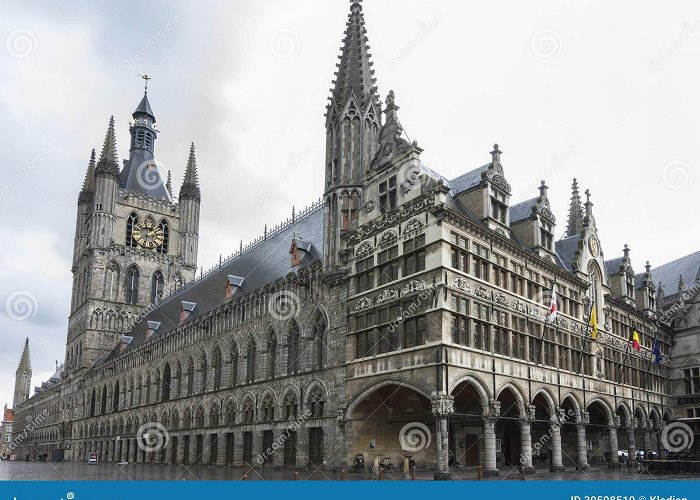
{"x": 593, "y": 323}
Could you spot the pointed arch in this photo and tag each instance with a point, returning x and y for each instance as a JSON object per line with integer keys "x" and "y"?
{"x": 319, "y": 338}
{"x": 157, "y": 286}
{"x": 216, "y": 361}
{"x": 293, "y": 344}
{"x": 131, "y": 222}
{"x": 165, "y": 230}
{"x": 133, "y": 276}
{"x": 271, "y": 356}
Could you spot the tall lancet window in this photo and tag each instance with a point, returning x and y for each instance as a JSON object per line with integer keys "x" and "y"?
{"x": 131, "y": 222}
{"x": 132, "y": 285}
{"x": 165, "y": 229}
{"x": 157, "y": 287}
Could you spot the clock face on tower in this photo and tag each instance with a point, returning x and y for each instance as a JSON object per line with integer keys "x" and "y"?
{"x": 147, "y": 234}
{"x": 593, "y": 246}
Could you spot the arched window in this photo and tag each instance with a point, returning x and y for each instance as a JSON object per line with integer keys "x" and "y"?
{"x": 216, "y": 365}
{"x": 115, "y": 397}
{"x": 250, "y": 363}
{"x": 248, "y": 411}
{"x": 111, "y": 291}
{"x": 187, "y": 419}
{"x": 175, "y": 420}
{"x": 190, "y": 376}
{"x": 214, "y": 415}
{"x": 103, "y": 406}
{"x": 199, "y": 417}
{"x": 178, "y": 381}
{"x": 293, "y": 350}
{"x": 268, "y": 409}
{"x": 157, "y": 287}
{"x": 291, "y": 405}
{"x": 317, "y": 403}
{"x": 230, "y": 412}
{"x": 147, "y": 390}
{"x": 271, "y": 354}
{"x": 131, "y": 221}
{"x": 234, "y": 364}
{"x": 163, "y": 247}
{"x": 132, "y": 285}
{"x": 165, "y": 391}
{"x": 318, "y": 333}
{"x": 92, "y": 403}
{"x": 204, "y": 373}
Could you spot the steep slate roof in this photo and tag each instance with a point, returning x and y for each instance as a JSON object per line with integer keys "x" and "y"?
{"x": 145, "y": 108}
{"x": 566, "y": 250}
{"x": 612, "y": 266}
{"x": 467, "y": 181}
{"x": 668, "y": 274}
{"x": 522, "y": 210}
{"x": 260, "y": 265}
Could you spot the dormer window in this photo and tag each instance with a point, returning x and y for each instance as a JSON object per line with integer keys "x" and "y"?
{"x": 629, "y": 281}
{"x": 387, "y": 195}
{"x": 298, "y": 250}
{"x": 652, "y": 299}
{"x": 152, "y": 327}
{"x": 546, "y": 236}
{"x": 186, "y": 308}
{"x": 499, "y": 209}
{"x": 233, "y": 283}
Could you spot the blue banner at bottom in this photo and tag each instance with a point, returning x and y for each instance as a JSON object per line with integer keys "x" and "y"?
{"x": 559, "y": 490}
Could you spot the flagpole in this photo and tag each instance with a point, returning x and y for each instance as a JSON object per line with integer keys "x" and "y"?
{"x": 544, "y": 326}
{"x": 583, "y": 337}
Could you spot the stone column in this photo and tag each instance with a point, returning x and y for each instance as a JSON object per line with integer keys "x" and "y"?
{"x": 581, "y": 441}
{"x": 555, "y": 428}
{"x": 612, "y": 431}
{"x": 631, "y": 444}
{"x": 491, "y": 415}
{"x": 193, "y": 448}
{"x": 526, "y": 439}
{"x": 124, "y": 457}
{"x": 647, "y": 438}
{"x": 132, "y": 451}
{"x": 206, "y": 448}
{"x": 442, "y": 408}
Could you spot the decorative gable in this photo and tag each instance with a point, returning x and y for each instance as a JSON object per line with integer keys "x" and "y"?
{"x": 298, "y": 250}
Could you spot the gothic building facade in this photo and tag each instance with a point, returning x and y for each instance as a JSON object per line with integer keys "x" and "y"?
{"x": 403, "y": 306}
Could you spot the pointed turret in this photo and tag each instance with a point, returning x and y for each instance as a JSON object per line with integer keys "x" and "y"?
{"x": 23, "y": 377}
{"x": 88, "y": 190}
{"x": 190, "y": 197}
{"x": 575, "y": 223}
{"x": 144, "y": 108}
{"x": 190, "y": 184}
{"x": 355, "y": 76}
{"x": 169, "y": 184}
{"x": 108, "y": 163}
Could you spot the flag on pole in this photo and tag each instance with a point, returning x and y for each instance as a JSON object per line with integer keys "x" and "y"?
{"x": 635, "y": 340}
{"x": 593, "y": 323}
{"x": 656, "y": 351}
{"x": 552, "y": 312}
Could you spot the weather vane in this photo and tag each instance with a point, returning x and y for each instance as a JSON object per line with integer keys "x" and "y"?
{"x": 145, "y": 77}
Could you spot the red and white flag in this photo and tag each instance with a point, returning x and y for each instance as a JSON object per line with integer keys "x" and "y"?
{"x": 552, "y": 312}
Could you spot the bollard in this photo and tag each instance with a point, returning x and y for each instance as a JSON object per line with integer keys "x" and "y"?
{"x": 342, "y": 474}
{"x": 521, "y": 471}
{"x": 479, "y": 473}
{"x": 296, "y": 476}
{"x": 245, "y": 477}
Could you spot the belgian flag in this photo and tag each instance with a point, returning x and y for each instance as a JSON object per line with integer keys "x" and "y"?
{"x": 635, "y": 340}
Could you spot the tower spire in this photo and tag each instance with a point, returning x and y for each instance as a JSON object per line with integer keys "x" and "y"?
{"x": 575, "y": 223}
{"x": 89, "y": 181}
{"x": 23, "y": 376}
{"x": 355, "y": 76}
{"x": 108, "y": 162}
{"x": 190, "y": 184}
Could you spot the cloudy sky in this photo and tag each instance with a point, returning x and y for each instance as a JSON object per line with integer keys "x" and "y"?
{"x": 606, "y": 92}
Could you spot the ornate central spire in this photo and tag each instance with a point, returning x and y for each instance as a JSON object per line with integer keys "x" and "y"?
{"x": 355, "y": 76}
{"x": 575, "y": 223}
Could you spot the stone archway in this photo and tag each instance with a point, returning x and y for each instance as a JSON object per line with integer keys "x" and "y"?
{"x": 391, "y": 421}
{"x": 467, "y": 438}
{"x": 509, "y": 430}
